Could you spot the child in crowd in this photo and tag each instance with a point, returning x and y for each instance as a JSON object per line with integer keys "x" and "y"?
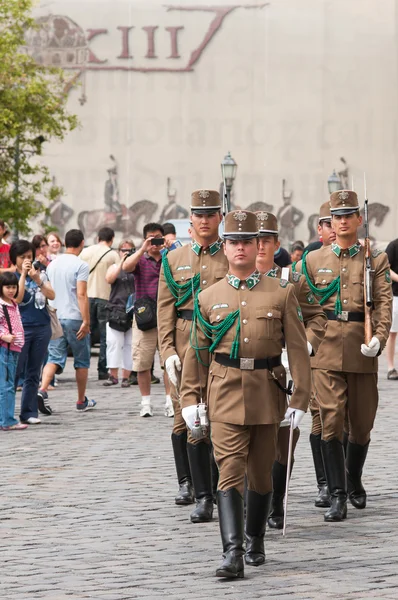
{"x": 11, "y": 343}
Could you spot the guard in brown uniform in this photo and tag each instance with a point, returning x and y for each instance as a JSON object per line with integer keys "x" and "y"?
{"x": 328, "y": 236}
{"x": 344, "y": 369}
{"x": 315, "y": 323}
{"x": 184, "y": 271}
{"x": 239, "y": 326}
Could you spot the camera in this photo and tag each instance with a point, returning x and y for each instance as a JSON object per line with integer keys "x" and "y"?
{"x": 157, "y": 242}
{"x": 127, "y": 252}
{"x": 36, "y": 265}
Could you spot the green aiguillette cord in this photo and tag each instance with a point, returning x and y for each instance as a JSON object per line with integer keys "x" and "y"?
{"x": 181, "y": 292}
{"x": 215, "y": 333}
{"x": 323, "y": 294}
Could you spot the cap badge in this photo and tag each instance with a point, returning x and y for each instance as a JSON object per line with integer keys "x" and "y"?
{"x": 262, "y": 216}
{"x": 343, "y": 195}
{"x": 204, "y": 194}
{"x": 240, "y": 216}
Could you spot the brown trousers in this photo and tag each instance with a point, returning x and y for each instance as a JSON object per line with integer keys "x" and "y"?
{"x": 340, "y": 394}
{"x": 182, "y": 344}
{"x": 282, "y": 449}
{"x": 244, "y": 449}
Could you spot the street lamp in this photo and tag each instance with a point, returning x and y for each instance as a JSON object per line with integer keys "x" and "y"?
{"x": 228, "y": 171}
{"x": 334, "y": 183}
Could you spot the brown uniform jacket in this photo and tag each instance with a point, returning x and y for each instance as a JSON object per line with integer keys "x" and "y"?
{"x": 314, "y": 318}
{"x": 184, "y": 264}
{"x": 340, "y": 349}
{"x": 269, "y": 313}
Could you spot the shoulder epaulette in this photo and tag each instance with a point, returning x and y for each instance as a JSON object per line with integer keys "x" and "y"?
{"x": 283, "y": 283}
{"x": 376, "y": 253}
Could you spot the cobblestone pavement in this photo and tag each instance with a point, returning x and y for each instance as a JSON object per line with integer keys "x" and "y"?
{"x": 87, "y": 511}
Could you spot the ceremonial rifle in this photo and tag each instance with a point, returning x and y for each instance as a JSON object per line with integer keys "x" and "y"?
{"x": 368, "y": 295}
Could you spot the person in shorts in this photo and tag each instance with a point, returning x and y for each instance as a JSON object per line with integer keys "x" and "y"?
{"x": 145, "y": 264}
{"x": 69, "y": 275}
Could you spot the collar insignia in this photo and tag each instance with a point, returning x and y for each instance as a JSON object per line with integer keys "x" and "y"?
{"x": 251, "y": 281}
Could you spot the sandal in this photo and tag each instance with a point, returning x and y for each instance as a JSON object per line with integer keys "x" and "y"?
{"x": 111, "y": 381}
{"x": 392, "y": 374}
{"x": 125, "y": 383}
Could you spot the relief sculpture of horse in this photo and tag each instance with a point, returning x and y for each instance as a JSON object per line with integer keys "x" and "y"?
{"x": 129, "y": 223}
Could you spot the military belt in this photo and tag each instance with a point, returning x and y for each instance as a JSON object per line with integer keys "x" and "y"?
{"x": 185, "y": 314}
{"x": 345, "y": 316}
{"x": 248, "y": 364}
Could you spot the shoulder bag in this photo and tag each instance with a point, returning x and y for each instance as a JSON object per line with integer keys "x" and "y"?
{"x": 145, "y": 313}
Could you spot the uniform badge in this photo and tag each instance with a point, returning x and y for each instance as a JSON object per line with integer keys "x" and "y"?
{"x": 322, "y": 270}
{"x": 283, "y": 283}
{"x": 376, "y": 253}
{"x": 296, "y": 276}
{"x": 300, "y": 314}
{"x": 388, "y": 276}
{"x": 204, "y": 194}
{"x": 343, "y": 195}
{"x": 184, "y": 268}
{"x": 262, "y": 216}
{"x": 217, "y": 306}
{"x": 310, "y": 298}
{"x": 239, "y": 215}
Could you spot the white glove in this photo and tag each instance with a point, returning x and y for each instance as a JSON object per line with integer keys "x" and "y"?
{"x": 189, "y": 415}
{"x": 298, "y": 415}
{"x": 372, "y": 349}
{"x": 173, "y": 364}
{"x": 309, "y": 346}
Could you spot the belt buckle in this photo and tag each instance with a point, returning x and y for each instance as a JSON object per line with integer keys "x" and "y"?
{"x": 343, "y": 316}
{"x": 247, "y": 364}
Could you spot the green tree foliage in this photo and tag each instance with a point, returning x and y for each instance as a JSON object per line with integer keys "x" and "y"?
{"x": 32, "y": 112}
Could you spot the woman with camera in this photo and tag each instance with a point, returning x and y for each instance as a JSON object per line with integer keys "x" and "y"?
{"x": 34, "y": 290}
{"x": 119, "y": 323}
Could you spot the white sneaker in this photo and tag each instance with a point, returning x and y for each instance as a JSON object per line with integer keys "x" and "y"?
{"x": 168, "y": 410}
{"x": 33, "y": 421}
{"x": 146, "y": 410}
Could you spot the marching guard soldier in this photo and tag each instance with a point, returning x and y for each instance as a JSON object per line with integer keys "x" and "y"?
{"x": 327, "y": 235}
{"x": 344, "y": 370}
{"x": 184, "y": 271}
{"x": 315, "y": 323}
{"x": 239, "y": 326}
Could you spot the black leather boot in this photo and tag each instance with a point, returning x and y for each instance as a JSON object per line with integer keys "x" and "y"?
{"x": 333, "y": 459}
{"x": 279, "y": 472}
{"x": 199, "y": 462}
{"x": 214, "y": 476}
{"x": 355, "y": 459}
{"x": 230, "y": 515}
{"x": 323, "y": 498}
{"x": 257, "y": 510}
{"x": 185, "y": 492}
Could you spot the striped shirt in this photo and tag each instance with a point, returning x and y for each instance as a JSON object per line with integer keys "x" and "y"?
{"x": 146, "y": 277}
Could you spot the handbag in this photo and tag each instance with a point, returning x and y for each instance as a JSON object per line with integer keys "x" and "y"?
{"x": 145, "y": 313}
{"x": 56, "y": 327}
{"x": 118, "y": 319}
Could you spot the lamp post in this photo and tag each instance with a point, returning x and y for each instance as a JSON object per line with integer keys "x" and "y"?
{"x": 228, "y": 171}
{"x": 334, "y": 183}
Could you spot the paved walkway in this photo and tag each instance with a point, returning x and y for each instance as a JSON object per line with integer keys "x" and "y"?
{"x": 87, "y": 511}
